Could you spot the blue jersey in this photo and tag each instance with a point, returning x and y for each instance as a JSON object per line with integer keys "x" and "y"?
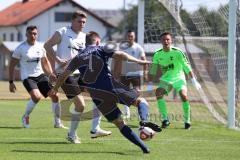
{"x": 97, "y": 79}
{"x": 93, "y": 67}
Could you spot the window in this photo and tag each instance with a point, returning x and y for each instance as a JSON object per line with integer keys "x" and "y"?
{"x": 12, "y": 37}
{"x": 6, "y": 61}
{"x": 4, "y": 37}
{"x": 19, "y": 36}
{"x": 63, "y": 16}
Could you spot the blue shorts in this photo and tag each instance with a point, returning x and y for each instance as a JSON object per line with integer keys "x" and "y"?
{"x": 70, "y": 87}
{"x": 106, "y": 100}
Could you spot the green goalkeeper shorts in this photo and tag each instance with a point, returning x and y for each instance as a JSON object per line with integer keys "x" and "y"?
{"x": 178, "y": 85}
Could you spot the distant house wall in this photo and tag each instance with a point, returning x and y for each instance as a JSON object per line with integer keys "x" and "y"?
{"x": 10, "y": 33}
{"x": 47, "y": 25}
{"x": 4, "y": 64}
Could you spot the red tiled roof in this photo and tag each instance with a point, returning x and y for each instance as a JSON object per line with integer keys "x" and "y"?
{"x": 20, "y": 12}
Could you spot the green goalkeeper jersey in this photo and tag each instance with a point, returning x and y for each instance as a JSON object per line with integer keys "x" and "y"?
{"x": 172, "y": 64}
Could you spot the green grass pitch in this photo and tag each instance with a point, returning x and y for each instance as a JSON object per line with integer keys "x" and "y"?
{"x": 205, "y": 141}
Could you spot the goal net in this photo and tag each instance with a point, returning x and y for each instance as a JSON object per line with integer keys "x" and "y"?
{"x": 202, "y": 33}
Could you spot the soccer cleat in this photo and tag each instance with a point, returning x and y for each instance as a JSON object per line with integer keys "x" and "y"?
{"x": 146, "y": 150}
{"x": 60, "y": 125}
{"x": 100, "y": 133}
{"x": 187, "y": 126}
{"x": 151, "y": 125}
{"x": 25, "y": 121}
{"x": 165, "y": 123}
{"x": 73, "y": 139}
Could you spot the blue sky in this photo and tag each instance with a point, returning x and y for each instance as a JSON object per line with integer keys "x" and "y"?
{"x": 190, "y": 5}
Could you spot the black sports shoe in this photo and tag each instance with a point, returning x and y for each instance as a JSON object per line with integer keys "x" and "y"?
{"x": 187, "y": 126}
{"x": 146, "y": 151}
{"x": 151, "y": 125}
{"x": 165, "y": 123}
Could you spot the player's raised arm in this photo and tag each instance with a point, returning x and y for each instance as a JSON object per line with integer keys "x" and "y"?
{"x": 13, "y": 63}
{"x": 48, "y": 45}
{"x": 124, "y": 56}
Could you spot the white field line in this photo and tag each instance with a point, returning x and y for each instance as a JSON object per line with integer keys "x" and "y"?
{"x": 122, "y": 139}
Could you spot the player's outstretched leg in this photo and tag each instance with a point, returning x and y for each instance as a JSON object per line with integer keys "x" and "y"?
{"x": 143, "y": 112}
{"x": 130, "y": 135}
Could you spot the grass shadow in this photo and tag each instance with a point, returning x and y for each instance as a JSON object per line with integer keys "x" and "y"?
{"x": 10, "y": 127}
{"x": 33, "y": 143}
{"x": 70, "y": 152}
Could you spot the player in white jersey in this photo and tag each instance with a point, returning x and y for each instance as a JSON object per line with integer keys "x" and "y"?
{"x": 33, "y": 65}
{"x": 130, "y": 73}
{"x": 70, "y": 41}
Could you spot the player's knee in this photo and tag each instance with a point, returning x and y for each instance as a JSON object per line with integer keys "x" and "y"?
{"x": 54, "y": 98}
{"x": 79, "y": 108}
{"x": 139, "y": 100}
{"x": 142, "y": 100}
{"x": 119, "y": 123}
{"x": 36, "y": 98}
{"x": 159, "y": 93}
{"x": 79, "y": 101}
{"x": 184, "y": 98}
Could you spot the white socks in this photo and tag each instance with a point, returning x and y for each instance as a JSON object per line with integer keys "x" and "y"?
{"x": 57, "y": 112}
{"x": 74, "y": 123}
{"x": 96, "y": 119}
{"x": 127, "y": 111}
{"x": 30, "y": 106}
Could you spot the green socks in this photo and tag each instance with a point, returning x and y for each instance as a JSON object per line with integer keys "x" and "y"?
{"x": 186, "y": 111}
{"x": 162, "y": 108}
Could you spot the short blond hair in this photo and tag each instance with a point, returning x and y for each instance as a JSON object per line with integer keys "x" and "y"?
{"x": 79, "y": 13}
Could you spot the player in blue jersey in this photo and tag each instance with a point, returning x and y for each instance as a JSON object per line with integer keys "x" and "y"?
{"x": 104, "y": 90}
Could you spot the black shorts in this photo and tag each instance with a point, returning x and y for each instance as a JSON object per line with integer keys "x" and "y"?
{"x": 71, "y": 87}
{"x": 134, "y": 80}
{"x": 106, "y": 100}
{"x": 41, "y": 82}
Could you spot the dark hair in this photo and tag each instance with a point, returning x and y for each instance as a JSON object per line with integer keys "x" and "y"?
{"x": 30, "y": 28}
{"x": 79, "y": 13}
{"x": 129, "y": 31}
{"x": 91, "y": 37}
{"x": 164, "y": 34}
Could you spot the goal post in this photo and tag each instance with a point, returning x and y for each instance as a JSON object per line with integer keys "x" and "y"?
{"x": 232, "y": 63}
{"x": 141, "y": 6}
{"x": 212, "y": 55}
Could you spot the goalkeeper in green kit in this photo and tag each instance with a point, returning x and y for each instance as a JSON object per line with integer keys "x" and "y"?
{"x": 172, "y": 63}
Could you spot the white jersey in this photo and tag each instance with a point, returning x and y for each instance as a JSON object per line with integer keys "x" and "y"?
{"x": 131, "y": 68}
{"x": 69, "y": 46}
{"x": 30, "y": 59}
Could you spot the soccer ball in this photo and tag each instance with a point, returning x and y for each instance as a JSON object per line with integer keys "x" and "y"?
{"x": 146, "y": 133}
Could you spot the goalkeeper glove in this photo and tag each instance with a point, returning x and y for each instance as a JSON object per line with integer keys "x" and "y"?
{"x": 196, "y": 84}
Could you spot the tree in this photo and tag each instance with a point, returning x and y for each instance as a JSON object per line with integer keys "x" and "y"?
{"x": 215, "y": 21}
{"x": 158, "y": 19}
{"x": 186, "y": 19}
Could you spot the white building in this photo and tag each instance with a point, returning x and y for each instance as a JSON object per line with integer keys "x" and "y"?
{"x": 47, "y": 15}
